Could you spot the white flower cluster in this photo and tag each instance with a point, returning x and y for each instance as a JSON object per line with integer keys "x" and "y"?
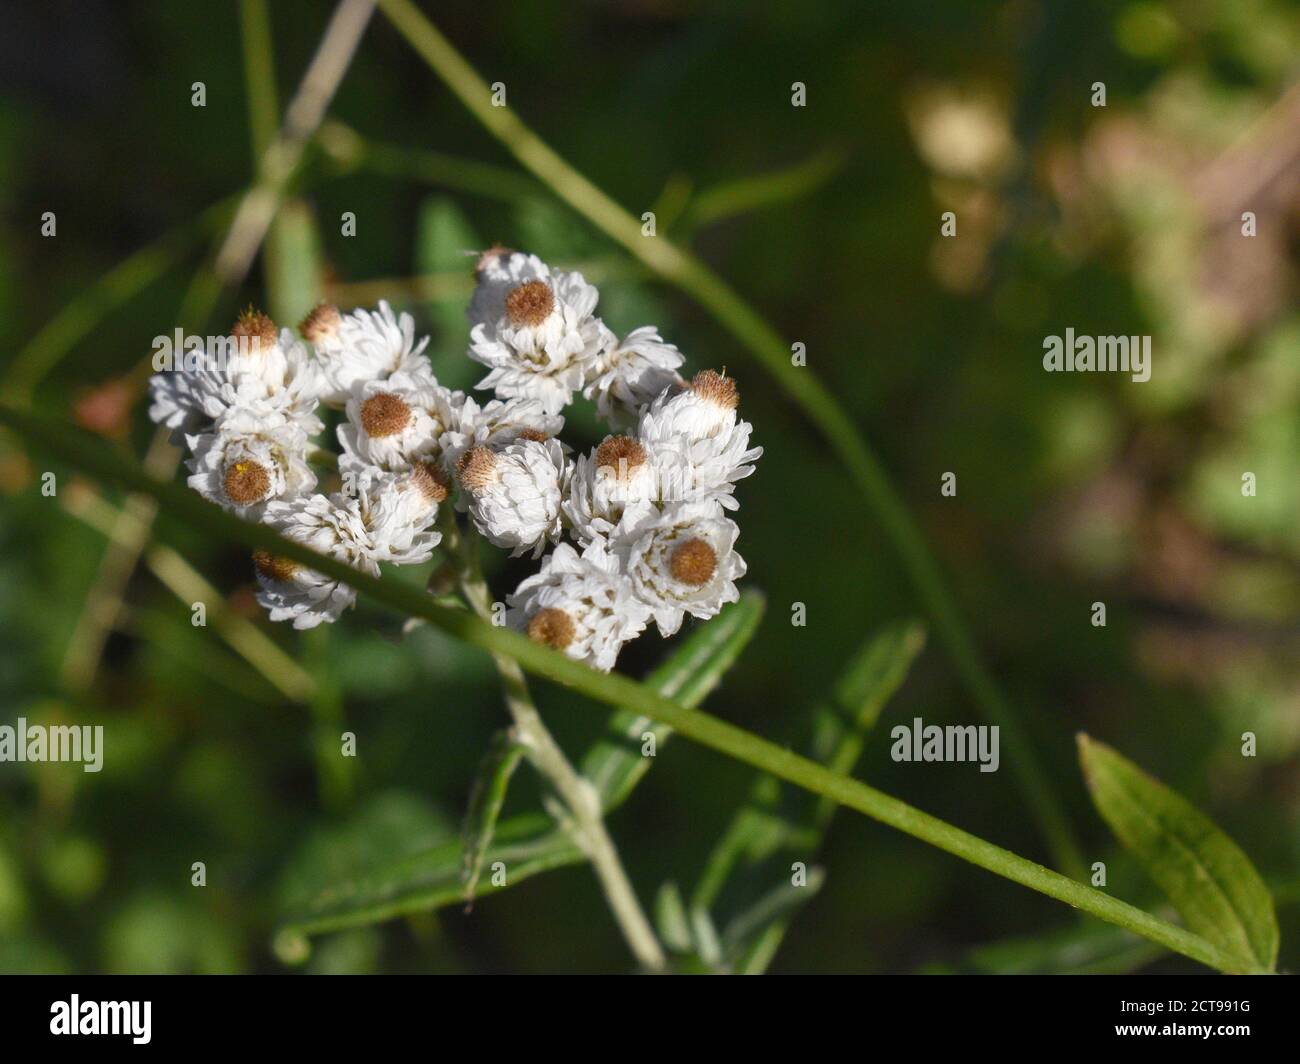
{"x": 646, "y": 510}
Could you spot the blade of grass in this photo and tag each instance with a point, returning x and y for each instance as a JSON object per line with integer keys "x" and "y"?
{"x": 259, "y": 73}
{"x": 839, "y": 730}
{"x": 88, "y": 455}
{"x": 353, "y": 151}
{"x": 685, "y": 271}
{"x": 747, "y": 194}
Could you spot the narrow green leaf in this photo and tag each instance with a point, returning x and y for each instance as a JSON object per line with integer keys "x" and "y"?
{"x": 746, "y": 194}
{"x": 670, "y": 918}
{"x": 870, "y": 680}
{"x": 293, "y": 263}
{"x": 524, "y": 846}
{"x": 388, "y": 828}
{"x": 615, "y": 764}
{"x": 443, "y": 239}
{"x": 1081, "y": 949}
{"x": 1210, "y": 881}
{"x": 486, "y": 799}
{"x": 751, "y": 938}
{"x": 770, "y": 820}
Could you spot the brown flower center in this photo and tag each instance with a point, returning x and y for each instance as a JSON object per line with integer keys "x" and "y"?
{"x": 322, "y": 323}
{"x": 552, "y": 627}
{"x": 384, "y": 414}
{"x": 247, "y": 482}
{"x": 716, "y": 388}
{"x": 693, "y": 562}
{"x": 255, "y": 330}
{"x": 430, "y": 481}
{"x": 477, "y": 468}
{"x": 622, "y": 454}
{"x": 530, "y": 304}
{"x": 536, "y": 435}
{"x": 274, "y": 567}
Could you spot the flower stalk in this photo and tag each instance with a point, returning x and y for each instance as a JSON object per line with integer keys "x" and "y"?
{"x": 580, "y": 812}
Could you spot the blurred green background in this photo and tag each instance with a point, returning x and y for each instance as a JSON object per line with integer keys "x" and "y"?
{"x": 1071, "y": 488}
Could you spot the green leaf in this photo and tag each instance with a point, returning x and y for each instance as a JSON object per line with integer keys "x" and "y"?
{"x": 1210, "y": 881}
{"x": 614, "y": 763}
{"x": 327, "y": 865}
{"x": 670, "y": 918}
{"x": 293, "y": 263}
{"x": 443, "y": 236}
{"x": 1082, "y": 949}
{"x": 771, "y": 819}
{"x": 486, "y": 799}
{"x": 869, "y": 680}
{"x": 752, "y": 937}
{"x": 431, "y": 879}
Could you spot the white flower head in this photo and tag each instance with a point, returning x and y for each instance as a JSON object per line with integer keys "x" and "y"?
{"x": 700, "y": 447}
{"x": 249, "y": 461}
{"x": 618, "y": 472}
{"x": 535, "y": 330}
{"x": 398, "y": 509}
{"x": 255, "y": 371}
{"x": 363, "y": 345}
{"x": 332, "y": 525}
{"x": 496, "y": 424}
{"x": 580, "y": 604}
{"x": 394, "y": 423}
{"x": 680, "y": 560}
{"x": 515, "y": 494}
{"x": 632, "y": 374}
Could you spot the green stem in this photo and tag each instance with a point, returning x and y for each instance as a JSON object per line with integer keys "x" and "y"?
{"x": 353, "y": 151}
{"x": 259, "y": 74}
{"x": 90, "y": 456}
{"x": 584, "y": 820}
{"x": 685, "y": 271}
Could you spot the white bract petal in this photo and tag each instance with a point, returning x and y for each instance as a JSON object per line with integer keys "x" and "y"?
{"x": 254, "y": 372}
{"x": 632, "y": 374}
{"x": 515, "y": 494}
{"x": 580, "y": 604}
{"x": 618, "y": 472}
{"x": 398, "y": 510}
{"x": 364, "y": 345}
{"x": 699, "y": 446}
{"x": 332, "y": 525}
{"x": 498, "y": 423}
{"x": 396, "y": 423}
{"x": 535, "y": 330}
{"x": 680, "y": 560}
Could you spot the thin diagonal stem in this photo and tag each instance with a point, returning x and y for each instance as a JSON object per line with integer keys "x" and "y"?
{"x": 584, "y": 819}
{"x": 685, "y": 271}
{"x": 280, "y": 160}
